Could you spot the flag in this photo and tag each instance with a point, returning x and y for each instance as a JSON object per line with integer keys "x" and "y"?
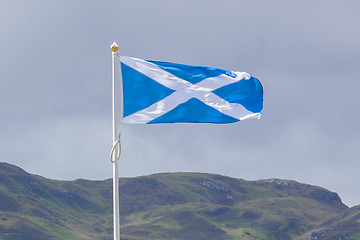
{"x": 163, "y": 92}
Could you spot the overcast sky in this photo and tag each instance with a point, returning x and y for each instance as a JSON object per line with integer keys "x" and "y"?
{"x": 55, "y": 73}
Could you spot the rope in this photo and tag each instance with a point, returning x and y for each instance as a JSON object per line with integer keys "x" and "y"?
{"x": 116, "y": 144}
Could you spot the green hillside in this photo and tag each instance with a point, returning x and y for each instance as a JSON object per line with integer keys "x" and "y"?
{"x": 204, "y": 206}
{"x": 163, "y": 206}
{"x": 344, "y": 226}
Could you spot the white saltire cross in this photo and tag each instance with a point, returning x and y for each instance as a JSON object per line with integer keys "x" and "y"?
{"x": 184, "y": 91}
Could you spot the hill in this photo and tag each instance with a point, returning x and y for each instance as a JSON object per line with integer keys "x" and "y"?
{"x": 164, "y": 206}
{"x": 344, "y": 226}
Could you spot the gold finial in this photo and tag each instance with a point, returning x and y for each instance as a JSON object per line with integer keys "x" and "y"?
{"x": 114, "y": 47}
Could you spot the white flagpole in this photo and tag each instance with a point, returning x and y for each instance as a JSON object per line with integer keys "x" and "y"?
{"x": 115, "y": 153}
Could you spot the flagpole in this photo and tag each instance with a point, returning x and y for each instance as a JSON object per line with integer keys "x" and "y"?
{"x": 115, "y": 153}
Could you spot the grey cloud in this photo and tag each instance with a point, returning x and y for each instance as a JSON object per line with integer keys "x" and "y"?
{"x": 55, "y": 76}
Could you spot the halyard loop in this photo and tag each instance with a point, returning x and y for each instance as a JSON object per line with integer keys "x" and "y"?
{"x": 117, "y": 145}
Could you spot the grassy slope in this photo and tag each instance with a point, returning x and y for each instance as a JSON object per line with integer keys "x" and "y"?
{"x": 344, "y": 226}
{"x": 162, "y": 206}
{"x": 33, "y": 207}
{"x": 227, "y": 208}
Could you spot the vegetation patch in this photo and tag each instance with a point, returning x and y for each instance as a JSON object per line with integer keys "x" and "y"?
{"x": 176, "y": 206}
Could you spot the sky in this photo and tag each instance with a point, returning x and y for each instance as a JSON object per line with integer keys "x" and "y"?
{"x": 55, "y": 94}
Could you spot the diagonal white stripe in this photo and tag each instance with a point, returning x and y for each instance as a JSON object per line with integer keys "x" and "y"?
{"x": 156, "y": 73}
{"x": 159, "y": 108}
{"x": 185, "y": 91}
{"x": 234, "y": 110}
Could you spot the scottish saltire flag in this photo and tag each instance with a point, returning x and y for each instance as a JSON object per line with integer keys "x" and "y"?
{"x": 162, "y": 92}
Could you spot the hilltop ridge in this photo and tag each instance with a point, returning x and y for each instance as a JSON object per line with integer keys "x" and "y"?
{"x": 165, "y": 206}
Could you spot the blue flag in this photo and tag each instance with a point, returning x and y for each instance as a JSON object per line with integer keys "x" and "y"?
{"x": 162, "y": 92}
